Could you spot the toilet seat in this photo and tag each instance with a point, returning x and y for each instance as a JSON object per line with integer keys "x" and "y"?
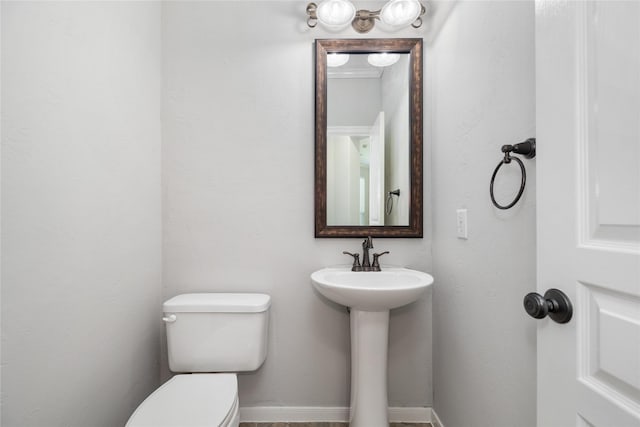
{"x": 190, "y": 400}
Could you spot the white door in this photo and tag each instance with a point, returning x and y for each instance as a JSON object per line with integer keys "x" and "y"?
{"x": 588, "y": 189}
{"x": 376, "y": 171}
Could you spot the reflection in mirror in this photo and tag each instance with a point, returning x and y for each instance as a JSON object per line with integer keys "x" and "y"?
{"x": 369, "y": 138}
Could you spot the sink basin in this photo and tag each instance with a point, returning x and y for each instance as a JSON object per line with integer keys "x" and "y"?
{"x": 371, "y": 290}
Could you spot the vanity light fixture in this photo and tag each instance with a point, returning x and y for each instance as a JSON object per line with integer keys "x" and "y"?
{"x": 337, "y": 59}
{"x": 382, "y": 59}
{"x": 337, "y": 14}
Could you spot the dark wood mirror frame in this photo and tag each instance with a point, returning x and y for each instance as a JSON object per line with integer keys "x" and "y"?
{"x": 414, "y": 48}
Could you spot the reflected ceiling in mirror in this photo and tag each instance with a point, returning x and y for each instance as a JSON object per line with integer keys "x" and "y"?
{"x": 369, "y": 138}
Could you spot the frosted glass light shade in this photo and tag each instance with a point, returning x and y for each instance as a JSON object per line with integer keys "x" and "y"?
{"x": 336, "y": 14}
{"x": 383, "y": 59}
{"x": 337, "y": 59}
{"x": 398, "y": 13}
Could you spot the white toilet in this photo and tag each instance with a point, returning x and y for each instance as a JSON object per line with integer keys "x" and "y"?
{"x": 210, "y": 337}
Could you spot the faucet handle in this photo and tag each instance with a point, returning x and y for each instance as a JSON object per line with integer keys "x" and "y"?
{"x": 376, "y": 263}
{"x": 356, "y": 261}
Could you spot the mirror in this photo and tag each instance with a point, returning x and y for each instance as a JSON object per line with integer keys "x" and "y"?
{"x": 368, "y": 169}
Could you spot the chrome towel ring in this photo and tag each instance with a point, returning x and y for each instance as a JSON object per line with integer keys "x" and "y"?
{"x": 528, "y": 150}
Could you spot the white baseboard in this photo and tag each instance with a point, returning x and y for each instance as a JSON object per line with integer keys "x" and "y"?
{"x": 274, "y": 414}
{"x": 435, "y": 419}
{"x": 410, "y": 415}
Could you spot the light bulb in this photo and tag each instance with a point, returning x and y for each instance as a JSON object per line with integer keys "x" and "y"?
{"x": 397, "y": 13}
{"x": 337, "y": 59}
{"x": 383, "y": 59}
{"x": 336, "y": 14}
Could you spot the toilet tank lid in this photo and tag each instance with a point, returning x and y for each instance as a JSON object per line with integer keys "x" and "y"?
{"x": 217, "y": 303}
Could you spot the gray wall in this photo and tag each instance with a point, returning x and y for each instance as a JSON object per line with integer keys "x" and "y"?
{"x": 481, "y": 79}
{"x": 353, "y": 102}
{"x": 238, "y": 198}
{"x": 81, "y": 233}
{"x": 395, "y": 98}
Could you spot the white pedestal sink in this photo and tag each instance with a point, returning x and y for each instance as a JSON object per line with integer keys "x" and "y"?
{"x": 370, "y": 295}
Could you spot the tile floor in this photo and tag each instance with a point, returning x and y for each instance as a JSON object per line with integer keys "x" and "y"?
{"x": 326, "y": 424}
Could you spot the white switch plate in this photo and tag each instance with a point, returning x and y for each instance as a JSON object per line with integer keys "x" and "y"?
{"x": 461, "y": 223}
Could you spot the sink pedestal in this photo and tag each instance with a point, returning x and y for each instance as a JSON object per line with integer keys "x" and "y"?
{"x": 369, "y": 340}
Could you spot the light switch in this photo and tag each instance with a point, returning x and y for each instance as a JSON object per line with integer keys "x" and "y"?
{"x": 461, "y": 223}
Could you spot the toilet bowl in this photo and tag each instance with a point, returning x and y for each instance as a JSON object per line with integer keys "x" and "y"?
{"x": 210, "y": 337}
{"x": 191, "y": 400}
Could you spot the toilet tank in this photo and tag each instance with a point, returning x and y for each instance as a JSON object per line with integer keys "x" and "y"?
{"x": 217, "y": 332}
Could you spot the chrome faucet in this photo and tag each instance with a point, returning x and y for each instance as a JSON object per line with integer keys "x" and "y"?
{"x": 366, "y": 262}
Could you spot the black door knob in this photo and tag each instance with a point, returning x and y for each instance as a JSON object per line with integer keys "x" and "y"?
{"x": 554, "y": 303}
